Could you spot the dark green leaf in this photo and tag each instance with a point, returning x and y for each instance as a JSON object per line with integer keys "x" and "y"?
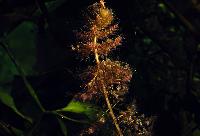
{"x": 162, "y": 7}
{"x": 17, "y": 131}
{"x": 8, "y": 100}
{"x": 7, "y": 68}
{"x": 22, "y": 42}
{"x": 62, "y": 126}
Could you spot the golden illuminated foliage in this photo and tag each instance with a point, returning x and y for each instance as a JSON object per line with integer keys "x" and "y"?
{"x": 101, "y": 26}
{"x": 135, "y": 124}
{"x": 107, "y": 79}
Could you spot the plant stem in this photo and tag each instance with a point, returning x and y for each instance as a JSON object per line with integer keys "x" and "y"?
{"x": 106, "y": 93}
{"x": 111, "y": 111}
{"x": 68, "y": 118}
{"x": 95, "y": 51}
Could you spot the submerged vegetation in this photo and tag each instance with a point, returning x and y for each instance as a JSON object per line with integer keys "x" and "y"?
{"x": 108, "y": 78}
{"x": 99, "y": 68}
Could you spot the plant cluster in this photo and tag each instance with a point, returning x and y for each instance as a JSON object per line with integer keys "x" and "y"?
{"x": 108, "y": 79}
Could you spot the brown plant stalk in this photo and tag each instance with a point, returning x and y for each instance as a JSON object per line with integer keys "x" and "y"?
{"x": 106, "y": 94}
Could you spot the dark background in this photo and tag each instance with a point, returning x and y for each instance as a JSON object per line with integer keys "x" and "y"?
{"x": 161, "y": 43}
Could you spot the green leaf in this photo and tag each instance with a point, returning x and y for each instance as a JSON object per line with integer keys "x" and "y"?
{"x": 172, "y": 15}
{"x": 196, "y": 79}
{"x": 7, "y": 68}
{"x": 172, "y": 29}
{"x": 147, "y": 40}
{"x": 8, "y": 100}
{"x": 82, "y": 108}
{"x": 162, "y": 7}
{"x": 62, "y": 126}
{"x": 22, "y": 43}
{"x": 17, "y": 48}
{"x": 53, "y": 5}
{"x": 17, "y": 131}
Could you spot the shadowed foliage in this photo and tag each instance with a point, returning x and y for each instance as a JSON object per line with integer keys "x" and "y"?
{"x": 160, "y": 44}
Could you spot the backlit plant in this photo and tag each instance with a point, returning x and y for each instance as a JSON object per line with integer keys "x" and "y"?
{"x": 107, "y": 79}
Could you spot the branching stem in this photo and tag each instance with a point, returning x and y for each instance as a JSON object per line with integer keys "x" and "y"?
{"x": 106, "y": 93}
